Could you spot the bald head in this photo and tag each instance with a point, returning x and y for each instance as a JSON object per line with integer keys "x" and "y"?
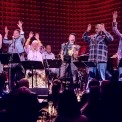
{"x": 48, "y": 48}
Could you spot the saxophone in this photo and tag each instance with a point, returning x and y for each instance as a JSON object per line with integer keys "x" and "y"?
{"x": 72, "y": 50}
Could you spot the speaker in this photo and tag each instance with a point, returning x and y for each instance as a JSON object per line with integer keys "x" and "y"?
{"x": 41, "y": 92}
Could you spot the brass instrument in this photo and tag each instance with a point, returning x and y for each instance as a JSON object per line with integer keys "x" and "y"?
{"x": 71, "y": 52}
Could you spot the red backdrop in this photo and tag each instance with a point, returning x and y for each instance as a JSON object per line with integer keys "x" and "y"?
{"x": 56, "y": 19}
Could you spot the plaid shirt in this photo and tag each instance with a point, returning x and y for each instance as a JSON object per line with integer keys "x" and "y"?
{"x": 116, "y": 31}
{"x": 98, "y": 46}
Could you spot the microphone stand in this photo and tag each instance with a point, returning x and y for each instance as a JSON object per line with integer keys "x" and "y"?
{"x": 10, "y": 65}
{"x": 47, "y": 68}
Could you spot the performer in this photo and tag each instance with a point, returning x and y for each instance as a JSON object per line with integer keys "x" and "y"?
{"x": 119, "y": 51}
{"x": 34, "y": 54}
{"x": 69, "y": 52}
{"x": 17, "y": 43}
{"x": 16, "y": 46}
{"x": 1, "y": 66}
{"x": 49, "y": 55}
{"x": 98, "y": 49}
{"x": 33, "y": 49}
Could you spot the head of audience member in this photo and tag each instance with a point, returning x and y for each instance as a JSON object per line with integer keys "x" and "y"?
{"x": 35, "y": 45}
{"x": 94, "y": 87}
{"x": 104, "y": 84}
{"x": 22, "y": 82}
{"x": 94, "y": 83}
{"x": 16, "y": 33}
{"x": 23, "y": 105}
{"x": 56, "y": 91}
{"x": 68, "y": 105}
{"x": 72, "y": 38}
{"x": 112, "y": 102}
{"x": 98, "y": 28}
{"x": 48, "y": 48}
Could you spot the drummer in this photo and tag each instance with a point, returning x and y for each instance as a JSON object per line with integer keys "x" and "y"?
{"x": 34, "y": 54}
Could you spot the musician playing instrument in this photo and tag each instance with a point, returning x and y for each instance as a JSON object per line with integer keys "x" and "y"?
{"x": 69, "y": 52}
{"x": 34, "y": 54}
{"x": 119, "y": 51}
{"x": 98, "y": 50}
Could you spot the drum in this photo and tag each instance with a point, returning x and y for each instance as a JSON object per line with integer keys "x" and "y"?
{"x": 39, "y": 78}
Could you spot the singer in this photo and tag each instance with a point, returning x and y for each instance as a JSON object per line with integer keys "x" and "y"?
{"x": 98, "y": 50}
{"x": 16, "y": 44}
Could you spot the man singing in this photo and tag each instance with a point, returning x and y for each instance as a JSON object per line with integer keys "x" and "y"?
{"x": 98, "y": 49}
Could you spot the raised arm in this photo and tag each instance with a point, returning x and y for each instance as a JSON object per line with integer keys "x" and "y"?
{"x": 20, "y": 25}
{"x": 0, "y": 41}
{"x": 5, "y": 39}
{"x": 27, "y": 44}
{"x": 114, "y": 25}
{"x": 37, "y": 38}
{"x": 86, "y": 36}
{"x": 108, "y": 36}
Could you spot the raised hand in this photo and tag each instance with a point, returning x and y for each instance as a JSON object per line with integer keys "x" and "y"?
{"x": 20, "y": 23}
{"x": 6, "y": 30}
{"x": 31, "y": 34}
{"x": 37, "y": 36}
{"x": 102, "y": 27}
{"x": 89, "y": 27}
{"x": 115, "y": 15}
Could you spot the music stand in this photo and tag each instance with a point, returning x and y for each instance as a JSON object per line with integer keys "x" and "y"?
{"x": 9, "y": 58}
{"x": 83, "y": 58}
{"x": 32, "y": 65}
{"x": 5, "y": 58}
{"x": 52, "y": 63}
{"x": 84, "y": 64}
{"x": 55, "y": 63}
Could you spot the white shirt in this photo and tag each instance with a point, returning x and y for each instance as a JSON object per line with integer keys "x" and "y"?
{"x": 33, "y": 55}
{"x": 48, "y": 55}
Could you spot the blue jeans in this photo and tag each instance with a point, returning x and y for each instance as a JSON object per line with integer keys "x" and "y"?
{"x": 101, "y": 67}
{"x": 120, "y": 73}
